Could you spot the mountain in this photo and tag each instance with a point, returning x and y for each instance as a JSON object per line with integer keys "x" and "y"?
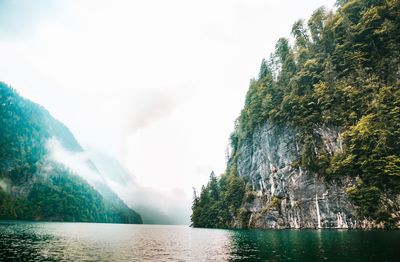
{"x": 146, "y": 201}
{"x": 155, "y": 216}
{"x": 33, "y": 186}
{"x": 317, "y": 142}
{"x": 110, "y": 167}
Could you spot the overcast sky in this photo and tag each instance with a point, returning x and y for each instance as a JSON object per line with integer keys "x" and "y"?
{"x": 156, "y": 84}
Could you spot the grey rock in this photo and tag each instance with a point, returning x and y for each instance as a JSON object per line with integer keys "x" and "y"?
{"x": 293, "y": 197}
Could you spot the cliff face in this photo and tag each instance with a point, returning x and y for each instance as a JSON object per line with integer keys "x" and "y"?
{"x": 315, "y": 174}
{"x": 287, "y": 196}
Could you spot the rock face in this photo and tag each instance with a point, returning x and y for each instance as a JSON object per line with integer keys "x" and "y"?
{"x": 291, "y": 197}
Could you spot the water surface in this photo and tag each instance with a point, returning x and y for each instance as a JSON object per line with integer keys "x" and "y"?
{"x": 30, "y": 241}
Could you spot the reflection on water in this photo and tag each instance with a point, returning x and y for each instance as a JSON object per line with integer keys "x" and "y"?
{"x": 315, "y": 245}
{"x": 110, "y": 242}
{"x": 117, "y": 242}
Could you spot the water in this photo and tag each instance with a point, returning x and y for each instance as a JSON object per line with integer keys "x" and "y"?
{"x": 25, "y": 241}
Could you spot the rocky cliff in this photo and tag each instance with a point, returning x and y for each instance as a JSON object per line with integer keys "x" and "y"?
{"x": 316, "y": 144}
{"x": 288, "y": 196}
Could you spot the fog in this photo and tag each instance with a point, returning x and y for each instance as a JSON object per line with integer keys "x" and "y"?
{"x": 156, "y": 85}
{"x": 170, "y": 207}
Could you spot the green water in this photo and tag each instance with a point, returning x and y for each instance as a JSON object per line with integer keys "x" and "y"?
{"x": 22, "y": 241}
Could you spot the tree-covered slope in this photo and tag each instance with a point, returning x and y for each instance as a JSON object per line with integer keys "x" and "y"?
{"x": 342, "y": 71}
{"x": 32, "y": 185}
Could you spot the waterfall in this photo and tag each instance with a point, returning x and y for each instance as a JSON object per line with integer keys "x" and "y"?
{"x": 296, "y": 224}
{"x": 272, "y": 182}
{"x": 341, "y": 221}
{"x": 318, "y": 215}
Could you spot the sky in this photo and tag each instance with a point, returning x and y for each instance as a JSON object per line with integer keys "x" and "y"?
{"x": 156, "y": 84}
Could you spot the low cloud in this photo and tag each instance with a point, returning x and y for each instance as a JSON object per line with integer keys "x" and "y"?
{"x": 78, "y": 162}
{"x": 172, "y": 203}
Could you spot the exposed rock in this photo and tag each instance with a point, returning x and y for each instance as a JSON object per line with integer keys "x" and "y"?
{"x": 292, "y": 197}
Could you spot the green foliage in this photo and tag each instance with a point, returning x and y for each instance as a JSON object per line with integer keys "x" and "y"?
{"x": 218, "y": 210}
{"x": 34, "y": 188}
{"x": 367, "y": 200}
{"x": 343, "y": 71}
{"x": 274, "y": 204}
{"x": 63, "y": 197}
{"x": 249, "y": 196}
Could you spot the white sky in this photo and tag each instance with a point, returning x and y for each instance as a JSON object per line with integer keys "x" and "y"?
{"x": 156, "y": 84}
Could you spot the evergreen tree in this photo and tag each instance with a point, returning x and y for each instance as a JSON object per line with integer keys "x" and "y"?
{"x": 342, "y": 71}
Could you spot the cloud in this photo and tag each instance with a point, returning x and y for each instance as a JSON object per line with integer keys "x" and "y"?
{"x": 115, "y": 73}
{"x": 155, "y": 109}
{"x": 173, "y": 204}
{"x": 154, "y": 105}
{"x": 78, "y": 162}
{"x": 19, "y": 18}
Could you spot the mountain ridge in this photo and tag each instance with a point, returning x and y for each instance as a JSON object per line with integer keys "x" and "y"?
{"x": 34, "y": 186}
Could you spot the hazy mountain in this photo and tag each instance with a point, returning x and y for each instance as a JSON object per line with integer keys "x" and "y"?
{"x": 144, "y": 200}
{"x": 34, "y": 184}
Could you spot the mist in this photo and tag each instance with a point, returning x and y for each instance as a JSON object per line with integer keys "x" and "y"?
{"x": 155, "y": 85}
{"x": 98, "y": 168}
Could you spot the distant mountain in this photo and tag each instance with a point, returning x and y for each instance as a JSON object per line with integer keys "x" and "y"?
{"x": 155, "y": 216}
{"x": 113, "y": 171}
{"x": 110, "y": 168}
{"x": 35, "y": 187}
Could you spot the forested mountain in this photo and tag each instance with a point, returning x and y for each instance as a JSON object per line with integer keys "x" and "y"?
{"x": 32, "y": 185}
{"x": 317, "y": 142}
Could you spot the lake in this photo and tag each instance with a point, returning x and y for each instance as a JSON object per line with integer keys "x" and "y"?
{"x": 41, "y": 241}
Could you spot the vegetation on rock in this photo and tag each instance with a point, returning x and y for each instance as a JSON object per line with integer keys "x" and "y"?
{"x": 343, "y": 70}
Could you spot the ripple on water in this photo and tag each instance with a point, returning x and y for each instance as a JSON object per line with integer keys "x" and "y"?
{"x": 27, "y": 241}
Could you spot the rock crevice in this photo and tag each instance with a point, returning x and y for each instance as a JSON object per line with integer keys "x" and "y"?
{"x": 287, "y": 196}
